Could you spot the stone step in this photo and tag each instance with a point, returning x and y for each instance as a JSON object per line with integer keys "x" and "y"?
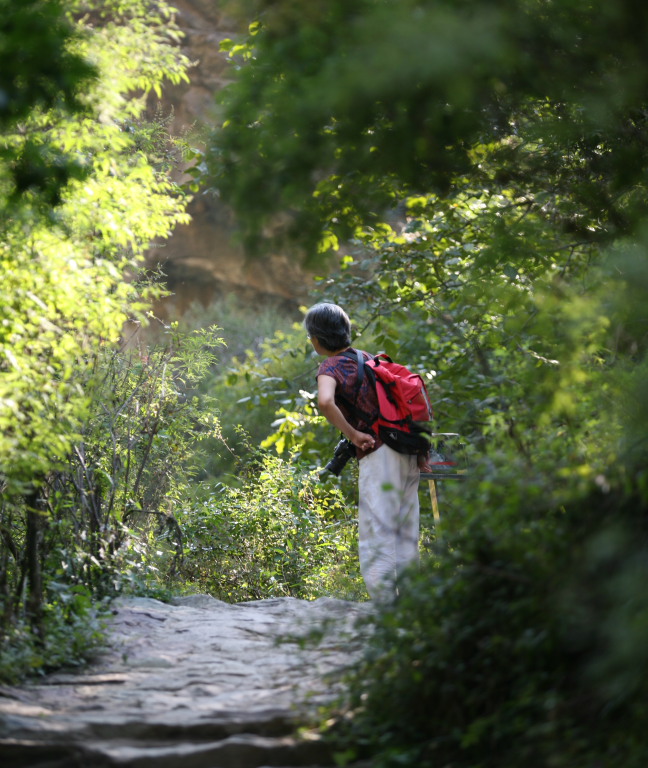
{"x": 238, "y": 751}
{"x": 200, "y": 684}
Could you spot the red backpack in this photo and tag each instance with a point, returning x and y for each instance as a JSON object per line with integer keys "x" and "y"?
{"x": 403, "y": 402}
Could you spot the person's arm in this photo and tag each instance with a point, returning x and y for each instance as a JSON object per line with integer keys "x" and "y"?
{"x": 326, "y": 402}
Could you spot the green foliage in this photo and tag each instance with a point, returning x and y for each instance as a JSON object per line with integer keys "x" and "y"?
{"x": 37, "y": 66}
{"x": 137, "y": 455}
{"x": 482, "y": 169}
{"x": 63, "y": 290}
{"x": 73, "y": 630}
{"x": 107, "y": 520}
{"x": 517, "y": 643}
{"x": 277, "y": 384}
{"x": 84, "y": 187}
{"x": 280, "y": 533}
{"x": 265, "y": 374}
{"x": 342, "y": 111}
{"x": 257, "y": 353}
{"x": 246, "y": 322}
{"x": 39, "y": 70}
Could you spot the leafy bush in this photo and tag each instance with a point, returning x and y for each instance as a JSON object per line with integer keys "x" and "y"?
{"x": 282, "y": 532}
{"x": 104, "y": 520}
{"x": 65, "y": 254}
{"x": 265, "y": 383}
{"x": 518, "y": 643}
{"x": 73, "y": 629}
{"x": 86, "y": 186}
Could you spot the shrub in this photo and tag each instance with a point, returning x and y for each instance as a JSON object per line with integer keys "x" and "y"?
{"x": 103, "y": 521}
{"x": 281, "y": 533}
{"x": 73, "y": 629}
{"x": 519, "y": 643}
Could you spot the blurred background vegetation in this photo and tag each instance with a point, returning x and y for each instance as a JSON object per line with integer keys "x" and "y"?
{"x": 469, "y": 180}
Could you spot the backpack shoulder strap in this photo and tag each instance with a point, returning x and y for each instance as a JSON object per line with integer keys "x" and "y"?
{"x": 358, "y": 357}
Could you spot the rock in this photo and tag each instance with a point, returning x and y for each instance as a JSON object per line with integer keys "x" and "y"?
{"x": 197, "y": 683}
{"x": 201, "y": 260}
{"x": 198, "y": 601}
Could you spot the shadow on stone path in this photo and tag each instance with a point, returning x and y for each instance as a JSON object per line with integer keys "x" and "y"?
{"x": 197, "y": 684}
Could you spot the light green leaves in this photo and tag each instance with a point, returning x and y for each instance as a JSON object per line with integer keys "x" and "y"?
{"x": 71, "y": 234}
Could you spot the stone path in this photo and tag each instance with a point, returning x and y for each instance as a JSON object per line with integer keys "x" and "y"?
{"x": 197, "y": 684}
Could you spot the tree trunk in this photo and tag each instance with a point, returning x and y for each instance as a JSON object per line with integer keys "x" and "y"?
{"x": 33, "y": 541}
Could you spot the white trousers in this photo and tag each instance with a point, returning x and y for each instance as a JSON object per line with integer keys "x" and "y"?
{"x": 388, "y": 518}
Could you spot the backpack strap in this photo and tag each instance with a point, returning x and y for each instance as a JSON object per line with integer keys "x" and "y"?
{"x": 352, "y": 407}
{"x": 359, "y": 358}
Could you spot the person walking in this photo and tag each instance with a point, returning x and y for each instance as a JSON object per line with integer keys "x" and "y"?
{"x": 388, "y": 505}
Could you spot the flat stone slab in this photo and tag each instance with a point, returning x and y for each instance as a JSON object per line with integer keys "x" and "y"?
{"x": 197, "y": 683}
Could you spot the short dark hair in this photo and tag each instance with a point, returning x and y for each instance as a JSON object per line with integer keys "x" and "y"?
{"x": 330, "y": 325}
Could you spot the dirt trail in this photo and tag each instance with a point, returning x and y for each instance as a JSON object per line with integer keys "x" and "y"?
{"x": 197, "y": 684}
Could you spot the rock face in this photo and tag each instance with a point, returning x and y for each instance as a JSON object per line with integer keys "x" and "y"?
{"x": 200, "y": 259}
{"x": 199, "y": 684}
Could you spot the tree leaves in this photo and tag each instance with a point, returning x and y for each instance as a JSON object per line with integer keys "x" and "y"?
{"x": 84, "y": 203}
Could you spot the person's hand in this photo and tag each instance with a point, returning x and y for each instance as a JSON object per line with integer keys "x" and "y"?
{"x": 363, "y": 441}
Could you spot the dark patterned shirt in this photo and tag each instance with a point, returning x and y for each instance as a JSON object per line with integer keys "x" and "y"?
{"x": 345, "y": 373}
